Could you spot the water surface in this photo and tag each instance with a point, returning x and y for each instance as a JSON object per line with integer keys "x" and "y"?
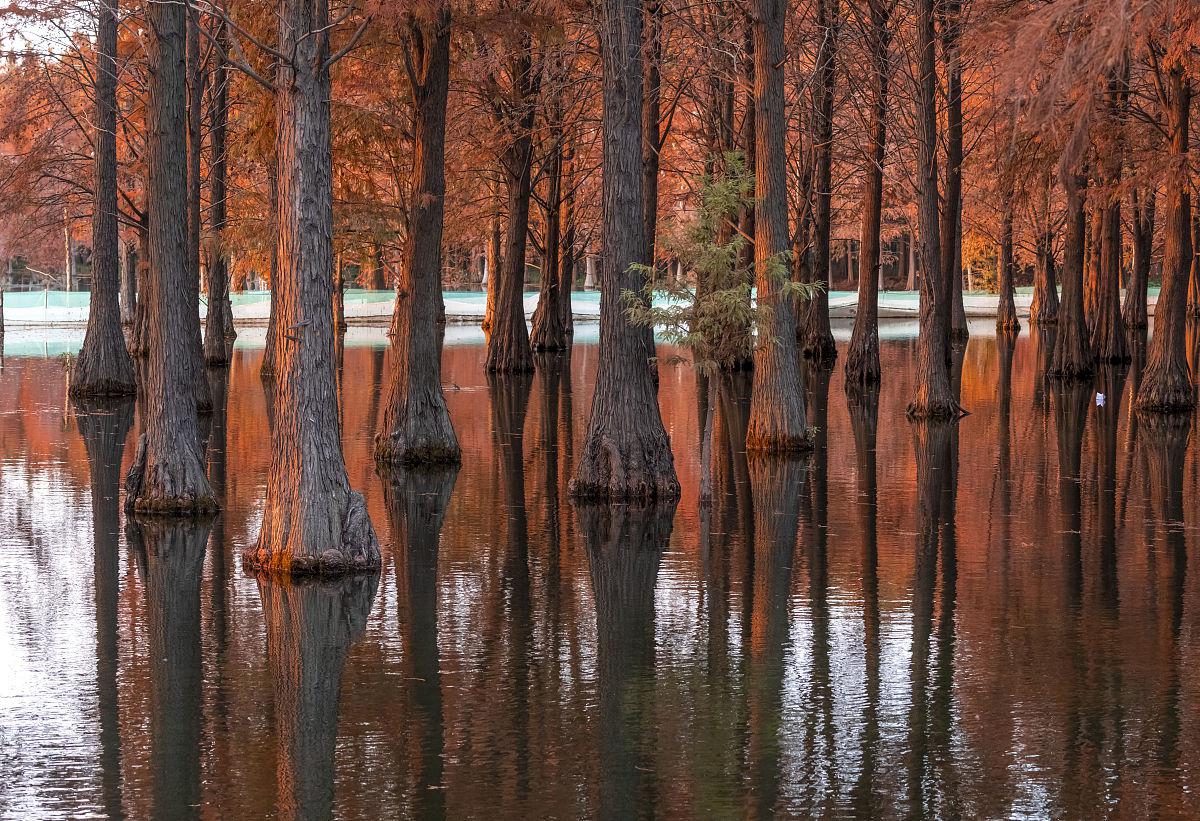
{"x": 991, "y": 620}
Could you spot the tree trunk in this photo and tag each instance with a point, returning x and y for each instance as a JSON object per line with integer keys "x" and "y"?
{"x": 1072, "y": 346}
{"x": 816, "y": 337}
{"x": 1044, "y": 310}
{"x": 103, "y": 367}
{"x": 1006, "y": 317}
{"x": 218, "y": 329}
{"x": 1108, "y": 332}
{"x": 1166, "y": 386}
{"x": 167, "y": 474}
{"x": 312, "y": 521}
{"x": 416, "y": 423}
{"x": 567, "y": 256}
{"x": 626, "y": 453}
{"x": 1193, "y": 306}
{"x": 195, "y": 96}
{"x": 934, "y": 398}
{"x": 270, "y": 349}
{"x": 951, "y": 216}
{"x": 862, "y": 360}
{"x": 310, "y": 627}
{"x": 1134, "y": 311}
{"x": 777, "y": 418}
{"x": 548, "y": 333}
{"x": 1091, "y": 263}
{"x": 651, "y": 116}
{"x": 139, "y": 335}
{"x": 494, "y": 260}
{"x": 129, "y": 284}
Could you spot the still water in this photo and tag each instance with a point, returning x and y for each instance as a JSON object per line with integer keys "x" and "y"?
{"x": 992, "y": 620}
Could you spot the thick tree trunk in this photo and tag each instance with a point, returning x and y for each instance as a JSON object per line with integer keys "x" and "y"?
{"x": 1006, "y": 317}
{"x": 219, "y": 332}
{"x": 103, "y": 367}
{"x": 626, "y": 453}
{"x": 312, "y": 521}
{"x": 777, "y": 418}
{"x": 951, "y": 216}
{"x": 508, "y": 341}
{"x": 195, "y": 96}
{"x": 1166, "y": 386}
{"x": 1073, "y": 357}
{"x": 862, "y": 359}
{"x": 416, "y": 423}
{"x": 167, "y": 474}
{"x": 816, "y": 337}
{"x": 548, "y": 333}
{"x": 934, "y": 398}
{"x": 1091, "y": 263}
{"x": 1044, "y": 310}
{"x": 1108, "y": 332}
{"x": 1134, "y": 312}
{"x": 494, "y": 260}
{"x": 311, "y": 625}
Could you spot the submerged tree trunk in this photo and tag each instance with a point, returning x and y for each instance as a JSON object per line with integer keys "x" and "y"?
{"x": 1044, "y": 310}
{"x": 934, "y": 398}
{"x": 103, "y": 367}
{"x": 167, "y": 474}
{"x": 508, "y": 340}
{"x": 777, "y": 418}
{"x": 312, "y": 521}
{"x": 951, "y": 217}
{"x": 1166, "y": 386}
{"x": 1006, "y": 318}
{"x": 218, "y": 329}
{"x": 548, "y": 333}
{"x": 1134, "y": 312}
{"x": 416, "y": 423}
{"x": 816, "y": 337}
{"x": 862, "y": 359}
{"x": 1072, "y": 346}
{"x": 626, "y": 453}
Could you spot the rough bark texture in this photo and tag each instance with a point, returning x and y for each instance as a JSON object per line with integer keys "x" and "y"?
{"x": 270, "y": 348}
{"x": 862, "y": 359}
{"x": 566, "y": 254}
{"x": 312, "y": 521}
{"x": 311, "y": 625}
{"x": 195, "y": 95}
{"x": 1006, "y": 316}
{"x": 103, "y": 367}
{"x": 951, "y": 216}
{"x": 1193, "y": 305}
{"x": 416, "y": 423}
{"x": 167, "y": 474}
{"x": 815, "y": 335}
{"x": 652, "y": 140}
{"x": 777, "y": 418}
{"x": 494, "y": 260}
{"x": 1108, "y": 332}
{"x": 218, "y": 328}
{"x": 1072, "y": 346}
{"x": 1044, "y": 310}
{"x": 1134, "y": 311}
{"x": 508, "y": 340}
{"x": 626, "y": 453}
{"x": 129, "y": 268}
{"x": 548, "y": 333}
{"x": 1166, "y": 386}
{"x": 934, "y": 398}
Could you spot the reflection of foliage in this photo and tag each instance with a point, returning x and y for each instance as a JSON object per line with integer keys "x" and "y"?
{"x": 712, "y": 315}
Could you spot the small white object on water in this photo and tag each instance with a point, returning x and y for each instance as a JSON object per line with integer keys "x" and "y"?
{"x": 1099, "y": 400}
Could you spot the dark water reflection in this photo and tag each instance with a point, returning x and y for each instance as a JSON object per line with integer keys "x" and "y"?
{"x": 989, "y": 619}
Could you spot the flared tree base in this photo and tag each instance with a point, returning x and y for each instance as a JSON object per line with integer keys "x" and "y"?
{"x": 862, "y": 362}
{"x": 1165, "y": 391}
{"x": 393, "y": 450}
{"x": 356, "y": 550}
{"x": 819, "y": 348}
{"x": 1008, "y": 325}
{"x": 629, "y": 465}
{"x": 172, "y": 484}
{"x": 934, "y": 410}
{"x": 768, "y": 445}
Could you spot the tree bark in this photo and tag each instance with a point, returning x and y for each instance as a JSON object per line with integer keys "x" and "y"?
{"x": 548, "y": 333}
{"x": 1044, "y": 310}
{"x": 862, "y": 359}
{"x": 1006, "y": 318}
{"x": 934, "y": 398}
{"x": 777, "y": 418}
{"x": 1134, "y": 312}
{"x": 167, "y": 474}
{"x": 1193, "y": 305}
{"x": 816, "y": 337}
{"x": 416, "y": 423}
{"x": 195, "y": 95}
{"x": 103, "y": 367}
{"x": 567, "y": 256}
{"x": 312, "y": 521}
{"x": 651, "y": 116}
{"x": 1166, "y": 386}
{"x": 1108, "y": 332}
{"x": 494, "y": 260}
{"x": 951, "y": 216}
{"x": 1073, "y": 357}
{"x": 267, "y": 368}
{"x": 219, "y": 332}
{"x": 508, "y": 341}
{"x": 626, "y": 453}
